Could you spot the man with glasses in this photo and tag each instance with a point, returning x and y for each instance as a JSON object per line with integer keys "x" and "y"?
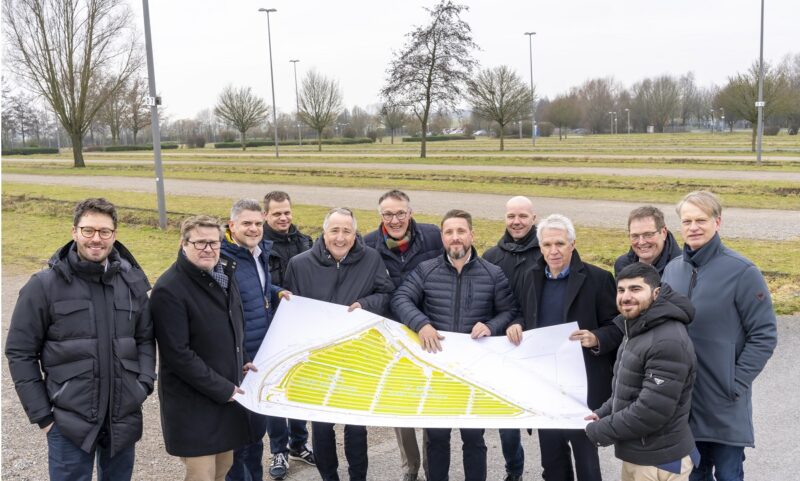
{"x": 651, "y": 241}
{"x": 84, "y": 323}
{"x": 403, "y": 244}
{"x": 199, "y": 325}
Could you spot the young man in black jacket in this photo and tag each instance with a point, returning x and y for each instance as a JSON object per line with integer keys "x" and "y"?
{"x": 647, "y": 415}
{"x": 84, "y": 324}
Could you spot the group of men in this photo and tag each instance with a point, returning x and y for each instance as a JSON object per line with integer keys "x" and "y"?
{"x": 682, "y": 332}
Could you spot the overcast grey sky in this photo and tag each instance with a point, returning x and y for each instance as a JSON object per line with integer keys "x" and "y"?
{"x": 202, "y": 45}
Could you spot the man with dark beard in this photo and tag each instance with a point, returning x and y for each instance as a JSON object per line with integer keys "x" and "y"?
{"x": 480, "y": 305}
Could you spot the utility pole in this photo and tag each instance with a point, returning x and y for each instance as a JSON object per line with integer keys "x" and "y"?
{"x": 533, "y": 100}
{"x": 760, "y": 102}
{"x": 297, "y": 101}
{"x": 154, "y": 101}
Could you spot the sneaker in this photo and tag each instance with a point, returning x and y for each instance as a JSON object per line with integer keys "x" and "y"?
{"x": 512, "y": 477}
{"x": 303, "y": 454}
{"x": 279, "y": 466}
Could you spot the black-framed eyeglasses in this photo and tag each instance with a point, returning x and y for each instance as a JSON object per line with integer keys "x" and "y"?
{"x": 401, "y": 215}
{"x": 201, "y": 245}
{"x": 644, "y": 235}
{"x": 89, "y": 232}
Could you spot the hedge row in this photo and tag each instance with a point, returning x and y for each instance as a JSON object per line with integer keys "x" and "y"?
{"x": 439, "y": 138}
{"x": 30, "y": 151}
{"x": 269, "y": 143}
{"x": 127, "y": 148}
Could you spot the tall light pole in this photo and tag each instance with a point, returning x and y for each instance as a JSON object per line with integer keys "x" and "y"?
{"x": 722, "y": 118}
{"x": 611, "y": 120}
{"x": 712, "y": 120}
{"x": 760, "y": 103}
{"x": 153, "y": 101}
{"x": 297, "y": 101}
{"x": 628, "y": 111}
{"x": 533, "y": 100}
{"x": 272, "y": 80}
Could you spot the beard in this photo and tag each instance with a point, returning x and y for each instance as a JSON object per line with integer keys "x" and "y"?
{"x": 457, "y": 252}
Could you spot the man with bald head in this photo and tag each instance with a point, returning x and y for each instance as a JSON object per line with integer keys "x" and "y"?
{"x": 517, "y": 251}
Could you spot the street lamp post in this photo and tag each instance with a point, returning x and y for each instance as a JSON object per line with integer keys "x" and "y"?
{"x": 272, "y": 80}
{"x": 616, "y": 126}
{"x": 297, "y": 101}
{"x": 712, "y": 120}
{"x": 611, "y": 121}
{"x": 154, "y": 101}
{"x": 533, "y": 100}
{"x": 628, "y": 111}
{"x": 722, "y": 118}
{"x": 760, "y": 103}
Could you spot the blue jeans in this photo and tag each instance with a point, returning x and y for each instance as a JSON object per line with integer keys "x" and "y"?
{"x": 473, "y": 454}
{"x": 513, "y": 453}
{"x": 720, "y": 462}
{"x": 286, "y": 434}
{"x": 247, "y": 459}
{"x": 67, "y": 462}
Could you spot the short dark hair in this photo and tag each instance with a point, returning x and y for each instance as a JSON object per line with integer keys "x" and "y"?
{"x": 394, "y": 194}
{"x": 275, "y": 196}
{"x": 640, "y": 269}
{"x": 457, "y": 214}
{"x": 94, "y": 204}
{"x": 647, "y": 211}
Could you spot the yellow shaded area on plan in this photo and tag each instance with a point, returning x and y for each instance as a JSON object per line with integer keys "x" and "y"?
{"x": 370, "y": 374}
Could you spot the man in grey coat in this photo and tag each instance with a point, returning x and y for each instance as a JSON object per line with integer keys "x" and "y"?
{"x": 734, "y": 334}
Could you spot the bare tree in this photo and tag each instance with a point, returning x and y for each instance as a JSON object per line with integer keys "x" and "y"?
{"x": 66, "y": 49}
{"x": 499, "y": 95}
{"x": 112, "y": 113}
{"x": 597, "y": 99}
{"x": 428, "y": 74}
{"x": 657, "y": 100}
{"x": 563, "y": 111}
{"x": 138, "y": 114}
{"x": 320, "y": 103}
{"x": 393, "y": 118}
{"x": 241, "y": 108}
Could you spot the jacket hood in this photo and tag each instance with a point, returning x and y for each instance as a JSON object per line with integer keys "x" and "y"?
{"x": 275, "y": 236}
{"x": 320, "y": 252}
{"x": 508, "y": 244}
{"x": 668, "y": 306}
{"x": 66, "y": 263}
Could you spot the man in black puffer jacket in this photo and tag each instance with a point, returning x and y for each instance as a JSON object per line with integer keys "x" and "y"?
{"x": 456, "y": 292}
{"x": 84, "y": 324}
{"x": 340, "y": 269}
{"x": 647, "y": 416}
{"x": 287, "y": 242}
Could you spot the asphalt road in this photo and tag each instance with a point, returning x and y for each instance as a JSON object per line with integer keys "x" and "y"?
{"x": 737, "y": 222}
{"x": 24, "y": 450}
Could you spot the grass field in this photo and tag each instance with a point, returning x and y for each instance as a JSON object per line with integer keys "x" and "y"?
{"x": 37, "y": 220}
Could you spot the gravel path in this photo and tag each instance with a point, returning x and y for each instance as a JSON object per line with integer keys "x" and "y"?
{"x": 24, "y": 448}
{"x": 737, "y": 222}
{"x": 561, "y": 170}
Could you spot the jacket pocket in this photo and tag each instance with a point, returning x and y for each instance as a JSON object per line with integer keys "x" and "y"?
{"x": 125, "y": 314}
{"x": 72, "y": 319}
{"x": 129, "y": 394}
{"x": 73, "y": 387}
{"x": 716, "y": 366}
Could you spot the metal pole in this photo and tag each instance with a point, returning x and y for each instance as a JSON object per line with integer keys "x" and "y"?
{"x": 272, "y": 81}
{"x": 628, "y": 111}
{"x": 533, "y": 100}
{"x": 151, "y": 81}
{"x": 760, "y": 103}
{"x": 297, "y": 101}
{"x": 611, "y": 121}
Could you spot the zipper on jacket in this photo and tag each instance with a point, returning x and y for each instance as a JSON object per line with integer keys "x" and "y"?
{"x": 692, "y": 282}
{"x": 457, "y": 304}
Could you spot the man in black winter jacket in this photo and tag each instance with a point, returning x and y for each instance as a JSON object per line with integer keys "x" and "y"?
{"x": 457, "y": 292}
{"x": 84, "y": 323}
{"x": 516, "y": 252}
{"x": 403, "y": 243}
{"x": 647, "y": 416}
{"x": 651, "y": 242}
{"x": 340, "y": 269}
{"x": 287, "y": 240}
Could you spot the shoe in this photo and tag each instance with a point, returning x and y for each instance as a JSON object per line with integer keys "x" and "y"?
{"x": 279, "y": 466}
{"x": 303, "y": 454}
{"x": 409, "y": 477}
{"x": 512, "y": 477}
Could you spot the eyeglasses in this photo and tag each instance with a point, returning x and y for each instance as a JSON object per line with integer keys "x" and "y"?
{"x": 89, "y": 232}
{"x": 201, "y": 245}
{"x": 401, "y": 215}
{"x": 645, "y": 235}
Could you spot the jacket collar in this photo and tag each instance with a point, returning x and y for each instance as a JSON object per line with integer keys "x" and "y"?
{"x": 508, "y": 244}
{"x": 66, "y": 263}
{"x": 668, "y": 306}
{"x": 670, "y": 251}
{"x": 233, "y": 249}
{"x": 704, "y": 254}
{"x": 325, "y": 258}
{"x": 575, "y": 279}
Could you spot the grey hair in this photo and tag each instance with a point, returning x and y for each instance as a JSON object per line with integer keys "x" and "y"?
{"x": 242, "y": 205}
{"x": 559, "y": 222}
{"x": 342, "y": 211}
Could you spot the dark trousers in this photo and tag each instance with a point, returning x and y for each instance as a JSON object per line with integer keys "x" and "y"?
{"x": 473, "y": 452}
{"x": 513, "y": 453}
{"x": 720, "y": 462}
{"x": 67, "y": 462}
{"x": 286, "y": 434}
{"x": 247, "y": 459}
{"x": 557, "y": 455}
{"x": 355, "y": 450}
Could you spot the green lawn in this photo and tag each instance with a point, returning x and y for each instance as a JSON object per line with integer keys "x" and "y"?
{"x": 37, "y": 220}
